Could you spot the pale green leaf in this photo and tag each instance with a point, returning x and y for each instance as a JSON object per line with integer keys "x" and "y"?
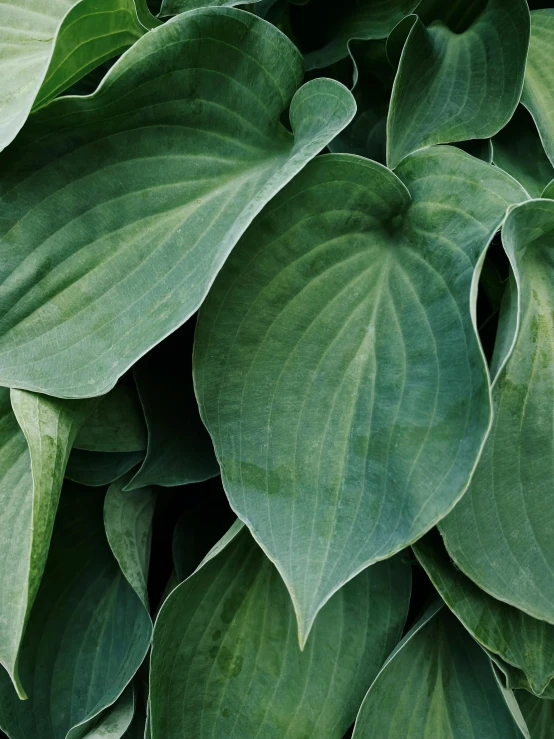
{"x": 88, "y": 632}
{"x": 460, "y": 75}
{"x": 538, "y": 91}
{"x": 226, "y": 661}
{"x": 500, "y": 534}
{"x": 518, "y": 151}
{"x": 437, "y": 683}
{"x": 35, "y": 441}
{"x": 523, "y": 642}
{"x": 119, "y": 209}
{"x": 100, "y": 468}
{"x": 114, "y": 722}
{"x": 116, "y": 424}
{"x": 538, "y": 714}
{"x": 46, "y": 45}
{"x": 337, "y": 365}
{"x": 180, "y": 450}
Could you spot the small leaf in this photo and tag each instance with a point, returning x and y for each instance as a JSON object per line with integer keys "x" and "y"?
{"x": 115, "y": 425}
{"x": 100, "y": 468}
{"x": 437, "y": 683}
{"x": 226, "y": 661}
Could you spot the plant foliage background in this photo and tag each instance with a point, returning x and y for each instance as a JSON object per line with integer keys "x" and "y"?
{"x": 276, "y": 369}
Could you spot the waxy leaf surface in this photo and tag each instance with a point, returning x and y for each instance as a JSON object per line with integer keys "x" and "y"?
{"x": 500, "y": 534}
{"x": 226, "y": 660}
{"x": 117, "y": 210}
{"x": 337, "y": 365}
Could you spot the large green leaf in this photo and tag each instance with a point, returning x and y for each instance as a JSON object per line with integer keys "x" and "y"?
{"x": 538, "y": 714}
{"x": 46, "y": 46}
{"x": 460, "y": 75}
{"x": 326, "y": 26}
{"x": 180, "y": 450}
{"x": 100, "y": 468}
{"x": 337, "y": 364}
{"x": 35, "y": 441}
{"x": 518, "y": 150}
{"x": 173, "y": 7}
{"x": 226, "y": 660}
{"x": 437, "y": 683}
{"x": 523, "y": 642}
{"x": 87, "y": 635}
{"x": 119, "y": 209}
{"x": 116, "y": 424}
{"x": 538, "y": 91}
{"x": 500, "y": 534}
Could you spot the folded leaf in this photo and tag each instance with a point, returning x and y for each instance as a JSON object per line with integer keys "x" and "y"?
{"x": 518, "y": 150}
{"x": 119, "y": 209}
{"x": 500, "y": 534}
{"x": 46, "y": 46}
{"x": 538, "y": 714}
{"x": 460, "y": 75}
{"x": 437, "y": 683}
{"x": 337, "y": 365}
{"x": 180, "y": 450}
{"x": 523, "y": 642}
{"x": 226, "y": 661}
{"x": 87, "y": 635}
{"x": 100, "y": 468}
{"x": 114, "y": 722}
{"x": 116, "y": 424}
{"x": 35, "y": 441}
{"x": 538, "y": 91}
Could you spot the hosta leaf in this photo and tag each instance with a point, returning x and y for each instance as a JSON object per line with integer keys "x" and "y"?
{"x": 337, "y": 365}
{"x": 100, "y": 468}
{"x": 500, "y": 534}
{"x": 460, "y": 75}
{"x": 87, "y": 634}
{"x": 194, "y": 537}
{"x": 128, "y": 522}
{"x": 226, "y": 661}
{"x": 35, "y": 441}
{"x": 549, "y": 190}
{"x": 46, "y": 46}
{"x": 329, "y": 25}
{"x": 114, "y": 722}
{"x": 180, "y": 449}
{"x": 538, "y": 714}
{"x": 524, "y": 642}
{"x": 538, "y": 91}
{"x": 173, "y": 7}
{"x": 518, "y": 151}
{"x": 120, "y": 208}
{"x": 437, "y": 683}
{"x": 116, "y": 424}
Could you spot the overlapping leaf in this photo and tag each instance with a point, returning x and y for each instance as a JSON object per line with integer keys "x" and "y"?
{"x": 337, "y": 365}
{"x": 100, "y": 468}
{"x": 119, "y": 209}
{"x": 46, "y": 46}
{"x": 437, "y": 683}
{"x": 35, "y": 441}
{"x": 525, "y": 643}
{"x": 87, "y": 635}
{"x": 538, "y": 714}
{"x": 226, "y": 660}
{"x": 538, "y": 91}
{"x": 460, "y": 75}
{"x": 500, "y": 534}
{"x": 116, "y": 424}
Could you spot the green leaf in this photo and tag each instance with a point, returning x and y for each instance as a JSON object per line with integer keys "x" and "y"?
{"x": 116, "y": 424}
{"x": 119, "y": 209}
{"x": 538, "y": 714}
{"x": 114, "y": 722}
{"x": 337, "y": 365}
{"x": 518, "y": 151}
{"x": 538, "y": 91}
{"x": 128, "y": 522}
{"x": 459, "y": 77}
{"x": 523, "y": 642}
{"x": 499, "y": 534}
{"x": 100, "y": 468}
{"x": 549, "y": 191}
{"x": 437, "y": 683}
{"x": 226, "y": 661}
{"x": 35, "y": 438}
{"x": 329, "y": 26}
{"x": 180, "y": 450}
{"x": 88, "y": 632}
{"x": 46, "y": 46}
{"x": 173, "y": 7}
